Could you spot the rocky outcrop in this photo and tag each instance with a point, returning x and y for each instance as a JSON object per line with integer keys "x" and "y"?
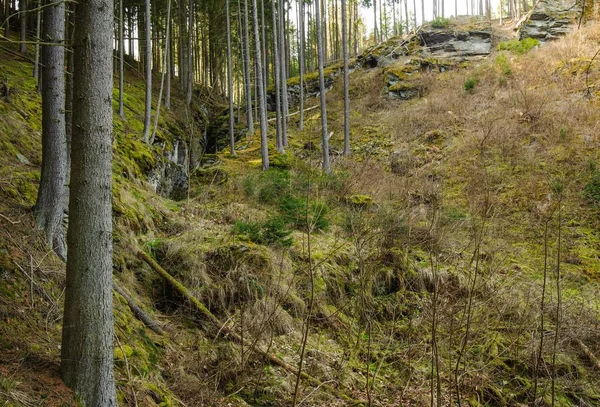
{"x": 550, "y": 19}
{"x": 453, "y": 44}
{"x": 460, "y": 39}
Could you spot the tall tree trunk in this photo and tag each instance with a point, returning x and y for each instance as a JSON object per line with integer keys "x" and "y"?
{"x": 277, "y": 68}
{"x": 23, "y": 20}
{"x": 264, "y": 48}
{"x": 407, "y": 16}
{"x": 148, "y": 64}
{"x": 51, "y": 197}
{"x": 264, "y": 149}
{"x": 88, "y": 332}
{"x": 325, "y": 135}
{"x": 415, "y": 14}
{"x": 163, "y": 71}
{"x": 169, "y": 58}
{"x": 190, "y": 54}
{"x": 422, "y": 12}
{"x": 38, "y": 24}
{"x": 346, "y": 83}
{"x": 301, "y": 65}
{"x": 121, "y": 55}
{"x": 69, "y": 90}
{"x": 246, "y": 23}
{"x": 323, "y": 5}
{"x": 6, "y": 20}
{"x": 283, "y": 73}
{"x": 375, "y": 21}
{"x": 230, "y": 81}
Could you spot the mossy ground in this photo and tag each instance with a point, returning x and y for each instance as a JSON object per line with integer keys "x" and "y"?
{"x": 486, "y": 171}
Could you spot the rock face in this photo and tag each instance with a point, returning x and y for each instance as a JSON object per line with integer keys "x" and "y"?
{"x": 448, "y": 43}
{"x": 463, "y": 38}
{"x": 550, "y": 19}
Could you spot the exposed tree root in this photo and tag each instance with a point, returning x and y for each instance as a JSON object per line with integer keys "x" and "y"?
{"x": 236, "y": 337}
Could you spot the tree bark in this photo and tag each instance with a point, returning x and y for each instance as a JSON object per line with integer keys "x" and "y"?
{"x": 38, "y": 25}
{"x": 277, "y": 69}
{"x": 346, "y": 83}
{"x": 230, "y": 82}
{"x": 50, "y": 204}
{"x": 148, "y": 64}
{"x": 249, "y": 116}
{"x": 23, "y": 20}
{"x": 264, "y": 149}
{"x": 164, "y": 71}
{"x": 301, "y": 65}
{"x": 121, "y": 55}
{"x": 283, "y": 75}
{"x": 325, "y": 135}
{"x": 87, "y": 339}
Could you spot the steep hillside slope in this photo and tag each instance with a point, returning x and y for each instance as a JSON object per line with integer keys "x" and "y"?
{"x": 453, "y": 256}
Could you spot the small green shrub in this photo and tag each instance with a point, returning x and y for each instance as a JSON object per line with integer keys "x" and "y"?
{"x": 591, "y": 191}
{"x": 470, "y": 83}
{"x": 504, "y": 65}
{"x": 296, "y": 211}
{"x": 272, "y": 232}
{"x": 440, "y": 22}
{"x": 518, "y": 46}
{"x": 268, "y": 186}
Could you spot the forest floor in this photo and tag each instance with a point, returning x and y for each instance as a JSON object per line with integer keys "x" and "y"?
{"x": 428, "y": 252}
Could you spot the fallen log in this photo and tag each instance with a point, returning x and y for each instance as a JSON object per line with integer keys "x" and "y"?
{"x": 181, "y": 289}
{"x": 138, "y": 312}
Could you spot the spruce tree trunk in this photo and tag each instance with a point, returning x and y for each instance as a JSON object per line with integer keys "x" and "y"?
{"x": 6, "y": 20}
{"x": 230, "y": 82}
{"x": 50, "y": 204}
{"x": 283, "y": 74}
{"x": 325, "y": 135}
{"x": 23, "y": 20}
{"x": 121, "y": 55}
{"x": 249, "y": 116}
{"x": 69, "y": 91}
{"x": 264, "y": 149}
{"x": 277, "y": 68}
{"x": 346, "y": 83}
{"x": 38, "y": 27}
{"x": 88, "y": 332}
{"x": 301, "y": 63}
{"x": 163, "y": 72}
{"x": 148, "y": 69}
{"x": 190, "y": 55}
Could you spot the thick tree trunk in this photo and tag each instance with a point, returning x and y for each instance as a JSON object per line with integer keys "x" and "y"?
{"x": 277, "y": 69}
{"x": 50, "y": 204}
{"x": 264, "y": 149}
{"x": 230, "y": 82}
{"x": 249, "y": 115}
{"x": 87, "y": 340}
{"x": 346, "y": 83}
{"x": 325, "y": 135}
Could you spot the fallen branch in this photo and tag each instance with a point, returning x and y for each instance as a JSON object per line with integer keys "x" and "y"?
{"x": 588, "y": 353}
{"x": 138, "y": 312}
{"x": 295, "y": 113}
{"x": 181, "y": 289}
